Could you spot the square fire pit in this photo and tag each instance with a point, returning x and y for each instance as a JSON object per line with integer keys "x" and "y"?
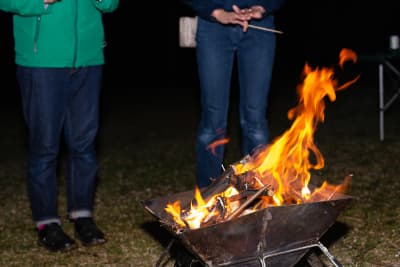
{"x": 274, "y": 236}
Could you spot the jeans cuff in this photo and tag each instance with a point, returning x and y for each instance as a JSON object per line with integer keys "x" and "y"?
{"x": 47, "y": 221}
{"x": 79, "y": 214}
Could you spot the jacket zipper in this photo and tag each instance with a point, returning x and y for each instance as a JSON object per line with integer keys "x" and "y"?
{"x": 37, "y": 30}
{"x": 76, "y": 35}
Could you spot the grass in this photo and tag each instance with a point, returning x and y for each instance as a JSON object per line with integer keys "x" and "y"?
{"x": 146, "y": 150}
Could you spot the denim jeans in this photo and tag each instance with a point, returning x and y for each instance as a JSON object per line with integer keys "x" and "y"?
{"x": 217, "y": 47}
{"x": 61, "y": 102}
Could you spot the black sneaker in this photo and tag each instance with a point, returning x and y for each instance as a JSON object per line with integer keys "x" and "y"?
{"x": 88, "y": 232}
{"x": 53, "y": 238}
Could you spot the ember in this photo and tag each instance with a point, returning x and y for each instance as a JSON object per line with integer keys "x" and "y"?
{"x": 278, "y": 174}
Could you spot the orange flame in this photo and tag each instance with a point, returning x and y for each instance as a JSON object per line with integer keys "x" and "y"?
{"x": 286, "y": 163}
{"x": 202, "y": 211}
{"x": 216, "y": 143}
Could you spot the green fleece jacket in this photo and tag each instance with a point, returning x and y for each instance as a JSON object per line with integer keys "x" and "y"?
{"x": 68, "y": 33}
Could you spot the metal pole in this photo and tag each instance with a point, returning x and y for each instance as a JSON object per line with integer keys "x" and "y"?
{"x": 334, "y": 261}
{"x": 381, "y": 104}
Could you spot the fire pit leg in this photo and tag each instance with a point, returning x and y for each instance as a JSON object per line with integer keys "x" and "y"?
{"x": 165, "y": 253}
{"x": 334, "y": 261}
{"x": 262, "y": 260}
{"x": 185, "y": 260}
{"x": 331, "y": 258}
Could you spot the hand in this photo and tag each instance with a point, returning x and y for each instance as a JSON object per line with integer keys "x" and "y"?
{"x": 246, "y": 13}
{"x": 254, "y": 12}
{"x": 257, "y": 12}
{"x": 238, "y": 16}
{"x": 50, "y": 1}
{"x": 228, "y": 17}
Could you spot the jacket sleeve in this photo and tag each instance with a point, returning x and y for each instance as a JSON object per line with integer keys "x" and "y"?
{"x": 203, "y": 8}
{"x": 24, "y": 7}
{"x": 271, "y": 6}
{"x": 106, "y": 6}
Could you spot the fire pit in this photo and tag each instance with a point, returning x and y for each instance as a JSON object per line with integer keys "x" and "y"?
{"x": 275, "y": 236}
{"x": 263, "y": 210}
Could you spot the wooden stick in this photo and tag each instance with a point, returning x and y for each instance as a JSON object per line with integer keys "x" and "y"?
{"x": 247, "y": 202}
{"x": 264, "y": 29}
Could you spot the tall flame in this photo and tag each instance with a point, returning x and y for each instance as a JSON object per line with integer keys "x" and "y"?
{"x": 287, "y": 160}
{"x": 285, "y": 164}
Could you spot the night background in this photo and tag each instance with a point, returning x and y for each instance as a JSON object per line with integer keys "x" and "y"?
{"x": 149, "y": 116}
{"x": 145, "y": 39}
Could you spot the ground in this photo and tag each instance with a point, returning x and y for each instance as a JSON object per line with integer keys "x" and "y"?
{"x": 146, "y": 150}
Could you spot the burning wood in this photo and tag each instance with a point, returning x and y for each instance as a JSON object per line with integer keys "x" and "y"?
{"x": 278, "y": 174}
{"x": 244, "y": 182}
{"x": 226, "y": 198}
{"x": 239, "y": 210}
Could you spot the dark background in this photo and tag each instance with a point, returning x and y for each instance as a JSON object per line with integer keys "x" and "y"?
{"x": 143, "y": 49}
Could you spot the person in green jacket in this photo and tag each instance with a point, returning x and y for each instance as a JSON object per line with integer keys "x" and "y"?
{"x": 59, "y": 58}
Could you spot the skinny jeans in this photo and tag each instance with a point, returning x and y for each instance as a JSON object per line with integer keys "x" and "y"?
{"x": 217, "y": 45}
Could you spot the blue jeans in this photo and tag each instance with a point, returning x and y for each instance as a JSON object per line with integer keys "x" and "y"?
{"x": 217, "y": 46}
{"x": 60, "y": 101}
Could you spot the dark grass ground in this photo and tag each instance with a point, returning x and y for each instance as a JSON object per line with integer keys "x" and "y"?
{"x": 146, "y": 150}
